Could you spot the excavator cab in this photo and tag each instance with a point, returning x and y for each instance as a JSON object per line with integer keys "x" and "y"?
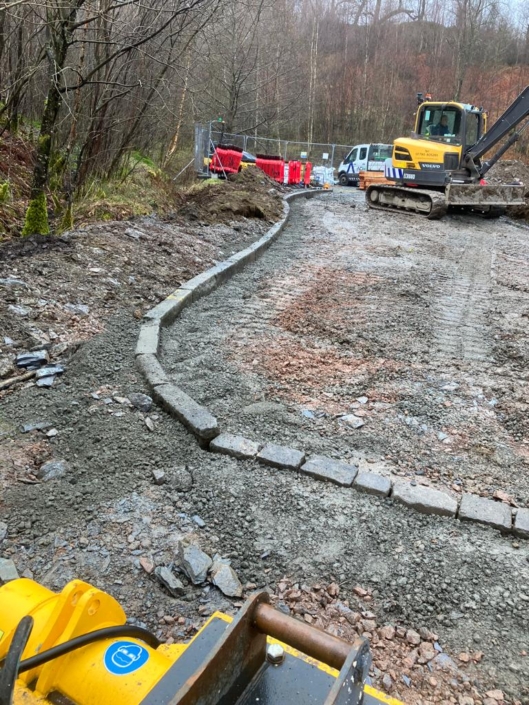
{"x": 451, "y": 123}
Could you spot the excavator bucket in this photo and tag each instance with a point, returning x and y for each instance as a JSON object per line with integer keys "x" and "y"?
{"x": 478, "y": 195}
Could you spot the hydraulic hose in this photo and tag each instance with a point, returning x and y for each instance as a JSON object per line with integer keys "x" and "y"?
{"x": 126, "y": 630}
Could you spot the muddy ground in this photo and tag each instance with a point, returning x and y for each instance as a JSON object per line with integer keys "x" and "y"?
{"x": 344, "y": 561}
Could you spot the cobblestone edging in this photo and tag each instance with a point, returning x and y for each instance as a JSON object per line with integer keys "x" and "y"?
{"x": 205, "y": 426}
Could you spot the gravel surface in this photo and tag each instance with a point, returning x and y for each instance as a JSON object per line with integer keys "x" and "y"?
{"x": 108, "y": 519}
{"x": 396, "y": 342}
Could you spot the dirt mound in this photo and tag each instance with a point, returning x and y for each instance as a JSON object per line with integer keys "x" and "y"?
{"x": 249, "y": 194}
{"x": 509, "y": 170}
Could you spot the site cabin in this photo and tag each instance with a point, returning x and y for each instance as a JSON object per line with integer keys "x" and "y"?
{"x": 363, "y": 157}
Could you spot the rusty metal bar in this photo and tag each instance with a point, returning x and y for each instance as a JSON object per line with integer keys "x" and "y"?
{"x": 309, "y": 640}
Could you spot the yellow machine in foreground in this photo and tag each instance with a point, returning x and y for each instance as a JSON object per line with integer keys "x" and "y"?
{"x": 440, "y": 165}
{"x": 75, "y": 648}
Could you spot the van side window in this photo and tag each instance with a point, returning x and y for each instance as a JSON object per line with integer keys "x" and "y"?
{"x": 363, "y": 153}
{"x": 352, "y": 155}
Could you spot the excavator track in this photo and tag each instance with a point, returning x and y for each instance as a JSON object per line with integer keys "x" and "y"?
{"x": 430, "y": 204}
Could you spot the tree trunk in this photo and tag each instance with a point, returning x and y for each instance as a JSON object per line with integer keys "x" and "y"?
{"x": 174, "y": 141}
{"x": 36, "y": 222}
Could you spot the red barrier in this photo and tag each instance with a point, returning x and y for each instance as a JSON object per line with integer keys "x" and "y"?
{"x": 226, "y": 159}
{"x": 294, "y": 172}
{"x": 274, "y": 167}
{"x": 306, "y": 176}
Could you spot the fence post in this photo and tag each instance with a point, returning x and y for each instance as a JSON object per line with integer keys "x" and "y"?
{"x": 286, "y": 149}
{"x": 332, "y": 156}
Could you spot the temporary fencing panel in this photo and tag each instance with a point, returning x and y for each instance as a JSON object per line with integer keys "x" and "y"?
{"x": 226, "y": 158}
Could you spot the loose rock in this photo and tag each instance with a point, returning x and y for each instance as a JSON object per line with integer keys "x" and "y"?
{"x": 52, "y": 470}
{"x": 225, "y": 578}
{"x": 141, "y": 401}
{"x": 195, "y": 562}
{"x": 169, "y": 581}
{"x": 8, "y": 570}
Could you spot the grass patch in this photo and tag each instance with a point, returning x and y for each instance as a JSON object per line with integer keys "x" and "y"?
{"x": 142, "y": 193}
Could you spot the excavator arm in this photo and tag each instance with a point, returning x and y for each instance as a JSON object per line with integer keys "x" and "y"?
{"x": 511, "y": 118}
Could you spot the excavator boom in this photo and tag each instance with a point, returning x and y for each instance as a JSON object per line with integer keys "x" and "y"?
{"x": 511, "y": 118}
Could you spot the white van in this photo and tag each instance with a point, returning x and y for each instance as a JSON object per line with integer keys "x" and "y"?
{"x": 363, "y": 157}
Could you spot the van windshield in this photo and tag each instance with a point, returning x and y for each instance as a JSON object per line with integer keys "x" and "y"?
{"x": 380, "y": 152}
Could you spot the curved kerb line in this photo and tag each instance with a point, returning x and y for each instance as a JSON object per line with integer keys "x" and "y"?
{"x": 201, "y": 422}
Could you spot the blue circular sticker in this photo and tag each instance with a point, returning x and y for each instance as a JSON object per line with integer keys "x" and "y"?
{"x": 124, "y": 657}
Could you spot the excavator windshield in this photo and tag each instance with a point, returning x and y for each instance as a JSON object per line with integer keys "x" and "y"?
{"x": 441, "y": 123}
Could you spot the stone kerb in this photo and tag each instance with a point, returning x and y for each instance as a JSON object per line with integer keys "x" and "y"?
{"x": 195, "y": 417}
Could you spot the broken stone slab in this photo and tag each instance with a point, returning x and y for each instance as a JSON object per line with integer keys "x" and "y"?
{"x": 12, "y": 282}
{"x": 197, "y": 418}
{"x": 78, "y": 309}
{"x": 169, "y": 580}
{"x": 281, "y": 457}
{"x": 49, "y": 371}
{"x": 19, "y": 310}
{"x": 198, "y": 521}
{"x": 352, "y": 420}
{"x": 236, "y": 446}
{"x": 485, "y": 511}
{"x": 521, "y": 523}
{"x": 148, "y": 339}
{"x": 425, "y": 499}
{"x": 225, "y": 578}
{"x": 167, "y": 310}
{"x": 52, "y": 470}
{"x": 8, "y": 570}
{"x": 32, "y": 360}
{"x": 195, "y": 563}
{"x": 140, "y": 401}
{"x": 151, "y": 369}
{"x": 45, "y": 381}
{"x": 330, "y": 470}
{"x": 37, "y": 426}
{"x": 371, "y": 483}
{"x": 134, "y": 234}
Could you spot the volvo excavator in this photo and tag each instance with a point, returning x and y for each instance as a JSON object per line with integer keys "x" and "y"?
{"x": 440, "y": 167}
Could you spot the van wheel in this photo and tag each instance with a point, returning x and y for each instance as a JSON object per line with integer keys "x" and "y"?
{"x": 343, "y": 179}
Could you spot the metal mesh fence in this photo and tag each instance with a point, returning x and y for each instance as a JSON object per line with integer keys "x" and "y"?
{"x": 319, "y": 153}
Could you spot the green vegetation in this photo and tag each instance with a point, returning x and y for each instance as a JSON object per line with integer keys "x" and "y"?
{"x": 5, "y": 192}
{"x": 36, "y": 217}
{"x": 143, "y": 191}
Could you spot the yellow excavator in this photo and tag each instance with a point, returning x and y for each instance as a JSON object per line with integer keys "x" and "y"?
{"x": 440, "y": 165}
{"x": 76, "y": 648}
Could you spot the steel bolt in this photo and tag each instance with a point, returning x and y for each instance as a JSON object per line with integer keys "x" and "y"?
{"x": 275, "y": 653}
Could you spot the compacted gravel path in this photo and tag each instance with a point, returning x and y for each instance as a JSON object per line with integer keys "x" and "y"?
{"x": 417, "y": 329}
{"x": 347, "y": 304}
